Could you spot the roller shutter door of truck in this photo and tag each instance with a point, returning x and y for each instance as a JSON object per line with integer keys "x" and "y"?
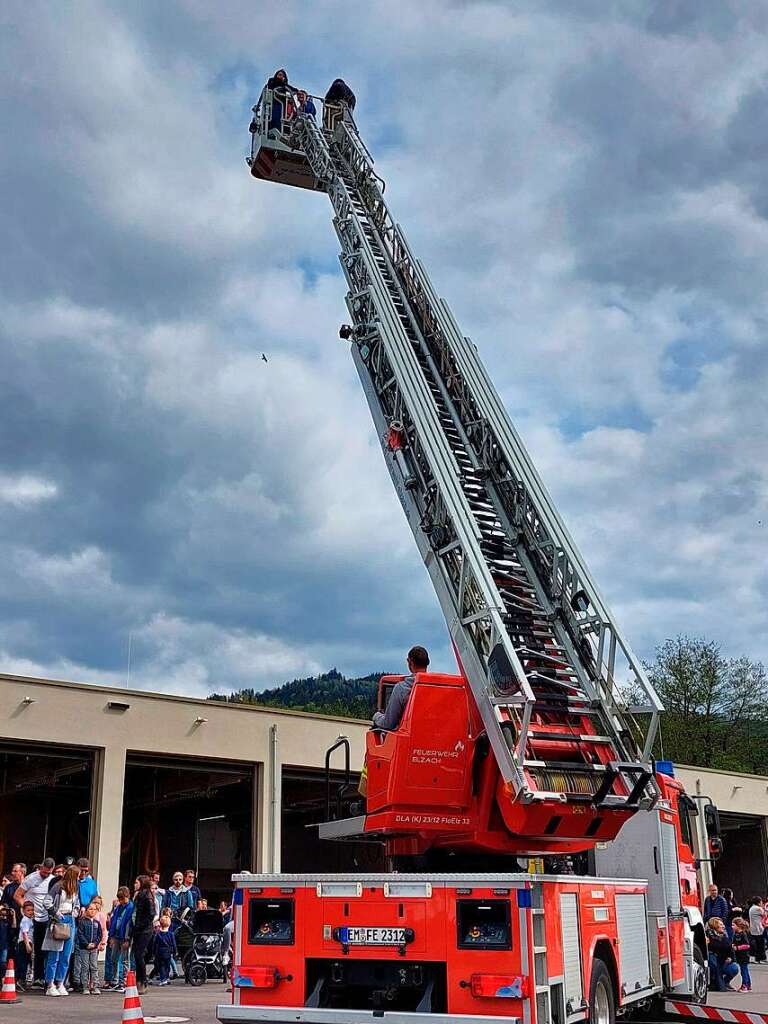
{"x": 632, "y": 921}
{"x": 669, "y": 867}
{"x": 569, "y": 920}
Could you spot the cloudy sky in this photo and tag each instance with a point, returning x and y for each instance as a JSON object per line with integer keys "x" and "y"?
{"x": 586, "y": 184}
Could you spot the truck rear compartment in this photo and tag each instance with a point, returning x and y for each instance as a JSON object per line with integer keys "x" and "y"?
{"x": 417, "y": 947}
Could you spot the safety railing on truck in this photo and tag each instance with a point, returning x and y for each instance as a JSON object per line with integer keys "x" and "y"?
{"x": 275, "y": 112}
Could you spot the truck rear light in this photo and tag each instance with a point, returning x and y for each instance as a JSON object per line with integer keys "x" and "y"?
{"x": 257, "y": 977}
{"x": 499, "y": 986}
{"x": 264, "y": 977}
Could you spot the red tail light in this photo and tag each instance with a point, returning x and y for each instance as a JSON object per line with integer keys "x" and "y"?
{"x": 499, "y": 986}
{"x": 262, "y": 977}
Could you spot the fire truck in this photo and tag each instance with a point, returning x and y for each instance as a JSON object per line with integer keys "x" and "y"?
{"x": 539, "y": 747}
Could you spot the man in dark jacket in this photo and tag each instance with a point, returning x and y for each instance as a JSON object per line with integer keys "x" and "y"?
{"x": 389, "y": 720}
{"x": 716, "y": 905}
{"x": 339, "y": 100}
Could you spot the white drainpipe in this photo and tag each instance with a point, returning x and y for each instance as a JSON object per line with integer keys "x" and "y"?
{"x": 273, "y": 857}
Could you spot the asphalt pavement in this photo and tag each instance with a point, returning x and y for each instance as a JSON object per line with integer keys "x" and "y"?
{"x": 755, "y": 1001}
{"x": 178, "y": 1003}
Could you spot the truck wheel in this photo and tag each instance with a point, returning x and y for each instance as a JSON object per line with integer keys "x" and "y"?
{"x": 700, "y": 976}
{"x": 602, "y": 1005}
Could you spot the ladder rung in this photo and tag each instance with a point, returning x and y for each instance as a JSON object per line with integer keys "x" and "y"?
{"x": 580, "y": 767}
{"x": 540, "y": 734}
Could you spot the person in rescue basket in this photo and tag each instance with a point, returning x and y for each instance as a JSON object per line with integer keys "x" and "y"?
{"x": 306, "y": 104}
{"x": 282, "y": 105}
{"x": 338, "y": 100}
{"x": 389, "y": 720}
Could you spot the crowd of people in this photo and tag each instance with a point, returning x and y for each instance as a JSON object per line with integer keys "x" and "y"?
{"x": 736, "y": 934}
{"x": 54, "y": 925}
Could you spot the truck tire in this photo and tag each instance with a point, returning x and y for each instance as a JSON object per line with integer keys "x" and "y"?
{"x": 602, "y": 1002}
{"x": 700, "y": 977}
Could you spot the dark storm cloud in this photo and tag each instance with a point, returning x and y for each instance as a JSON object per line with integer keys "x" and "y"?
{"x": 585, "y": 183}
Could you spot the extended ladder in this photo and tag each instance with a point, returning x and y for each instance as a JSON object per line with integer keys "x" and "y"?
{"x": 556, "y": 684}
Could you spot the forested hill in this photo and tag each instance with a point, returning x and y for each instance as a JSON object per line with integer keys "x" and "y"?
{"x": 329, "y": 694}
{"x": 716, "y": 707}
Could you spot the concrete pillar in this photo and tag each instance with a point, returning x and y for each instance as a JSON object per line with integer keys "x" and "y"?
{"x": 107, "y": 819}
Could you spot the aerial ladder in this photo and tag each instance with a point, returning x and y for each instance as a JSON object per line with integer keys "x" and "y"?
{"x": 560, "y": 710}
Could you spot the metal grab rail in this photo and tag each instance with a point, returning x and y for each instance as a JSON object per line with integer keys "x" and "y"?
{"x": 342, "y": 741}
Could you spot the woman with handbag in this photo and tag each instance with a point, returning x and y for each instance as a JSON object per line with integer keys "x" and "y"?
{"x": 63, "y": 906}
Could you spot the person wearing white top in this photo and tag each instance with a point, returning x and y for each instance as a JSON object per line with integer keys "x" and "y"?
{"x": 35, "y": 887}
{"x": 757, "y": 919}
{"x": 63, "y": 906}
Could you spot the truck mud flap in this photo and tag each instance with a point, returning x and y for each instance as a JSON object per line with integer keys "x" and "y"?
{"x": 715, "y": 1013}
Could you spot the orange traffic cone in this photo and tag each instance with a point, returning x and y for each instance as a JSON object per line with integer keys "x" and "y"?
{"x": 8, "y": 994}
{"x": 132, "y": 1010}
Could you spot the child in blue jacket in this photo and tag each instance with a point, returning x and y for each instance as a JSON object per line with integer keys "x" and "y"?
{"x": 119, "y": 932}
{"x": 165, "y": 948}
{"x": 88, "y": 938}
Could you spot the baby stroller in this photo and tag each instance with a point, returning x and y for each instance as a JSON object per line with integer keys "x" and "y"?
{"x": 204, "y": 959}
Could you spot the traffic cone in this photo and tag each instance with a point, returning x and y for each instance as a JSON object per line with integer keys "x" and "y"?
{"x": 8, "y": 994}
{"x": 132, "y": 1010}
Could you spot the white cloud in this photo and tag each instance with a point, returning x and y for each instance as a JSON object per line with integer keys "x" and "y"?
{"x": 86, "y": 570}
{"x": 586, "y": 189}
{"x": 26, "y": 489}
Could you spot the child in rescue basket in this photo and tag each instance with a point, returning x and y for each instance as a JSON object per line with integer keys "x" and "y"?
{"x": 165, "y": 949}
{"x": 87, "y": 943}
{"x": 741, "y": 948}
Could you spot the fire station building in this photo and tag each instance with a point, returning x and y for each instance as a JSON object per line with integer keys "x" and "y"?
{"x": 137, "y": 780}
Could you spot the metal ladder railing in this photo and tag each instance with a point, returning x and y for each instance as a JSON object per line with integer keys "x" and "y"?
{"x": 530, "y": 627}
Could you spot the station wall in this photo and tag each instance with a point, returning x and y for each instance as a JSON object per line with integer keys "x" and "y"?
{"x": 133, "y": 779}
{"x": 156, "y": 765}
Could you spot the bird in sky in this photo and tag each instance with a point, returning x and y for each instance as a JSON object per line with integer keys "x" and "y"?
{"x": 264, "y": 358}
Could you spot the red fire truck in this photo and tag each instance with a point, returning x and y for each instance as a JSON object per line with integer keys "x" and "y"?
{"x": 541, "y": 745}
{"x": 498, "y": 945}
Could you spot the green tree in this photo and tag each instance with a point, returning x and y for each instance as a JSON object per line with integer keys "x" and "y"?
{"x": 715, "y": 707}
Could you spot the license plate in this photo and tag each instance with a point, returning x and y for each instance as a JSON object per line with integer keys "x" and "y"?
{"x": 364, "y": 936}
